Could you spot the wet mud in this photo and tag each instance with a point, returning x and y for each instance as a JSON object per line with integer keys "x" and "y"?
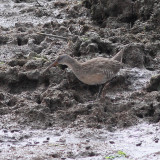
{"x": 51, "y": 111}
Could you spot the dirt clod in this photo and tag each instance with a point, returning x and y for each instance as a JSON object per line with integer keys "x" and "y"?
{"x": 49, "y": 113}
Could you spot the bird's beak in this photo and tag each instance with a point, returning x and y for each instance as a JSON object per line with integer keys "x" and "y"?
{"x": 54, "y": 64}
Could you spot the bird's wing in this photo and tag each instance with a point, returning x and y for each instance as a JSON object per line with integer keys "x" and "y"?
{"x": 102, "y": 65}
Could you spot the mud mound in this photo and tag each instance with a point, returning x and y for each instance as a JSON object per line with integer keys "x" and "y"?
{"x": 125, "y": 11}
{"x": 56, "y": 97}
{"x": 44, "y": 114}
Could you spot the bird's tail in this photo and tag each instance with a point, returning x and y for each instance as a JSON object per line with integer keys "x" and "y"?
{"x": 118, "y": 56}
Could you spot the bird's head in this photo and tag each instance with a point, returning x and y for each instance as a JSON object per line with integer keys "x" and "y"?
{"x": 62, "y": 59}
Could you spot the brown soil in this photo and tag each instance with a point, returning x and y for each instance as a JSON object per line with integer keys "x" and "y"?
{"x": 31, "y": 97}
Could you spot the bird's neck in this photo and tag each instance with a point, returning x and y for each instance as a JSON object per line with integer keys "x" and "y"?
{"x": 73, "y": 64}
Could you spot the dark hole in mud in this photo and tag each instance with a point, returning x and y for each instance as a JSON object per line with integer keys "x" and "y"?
{"x": 150, "y": 68}
{"x": 139, "y": 115}
{"x": 3, "y": 40}
{"x": 106, "y": 50}
{"x": 129, "y": 19}
{"x": 21, "y": 41}
{"x": 1, "y": 96}
{"x": 146, "y": 16}
{"x": 38, "y": 39}
{"x": 105, "y": 109}
{"x": 49, "y": 124}
{"x": 158, "y": 98}
{"x": 154, "y": 84}
{"x": 18, "y": 1}
{"x": 78, "y": 54}
{"x": 24, "y": 84}
{"x": 38, "y": 99}
{"x": 94, "y": 89}
{"x": 90, "y": 106}
{"x": 100, "y": 21}
{"x": 152, "y": 54}
{"x": 77, "y": 97}
{"x": 148, "y": 63}
{"x": 114, "y": 40}
{"x": 150, "y": 111}
{"x": 87, "y": 4}
{"x": 46, "y": 82}
{"x": 116, "y": 10}
{"x": 142, "y": 109}
{"x": 2, "y": 81}
{"x": 12, "y": 102}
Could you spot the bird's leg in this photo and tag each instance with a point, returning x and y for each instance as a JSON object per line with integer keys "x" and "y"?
{"x": 100, "y": 91}
{"x": 105, "y": 89}
{"x": 107, "y": 85}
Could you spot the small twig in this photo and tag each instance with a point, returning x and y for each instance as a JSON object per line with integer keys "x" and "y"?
{"x": 39, "y": 3}
{"x": 55, "y": 36}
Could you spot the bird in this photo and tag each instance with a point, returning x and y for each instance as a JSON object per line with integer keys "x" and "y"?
{"x": 96, "y": 71}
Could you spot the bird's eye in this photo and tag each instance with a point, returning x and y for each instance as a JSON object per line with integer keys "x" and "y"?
{"x": 60, "y": 58}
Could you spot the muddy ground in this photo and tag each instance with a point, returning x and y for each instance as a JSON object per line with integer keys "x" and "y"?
{"x": 52, "y": 115}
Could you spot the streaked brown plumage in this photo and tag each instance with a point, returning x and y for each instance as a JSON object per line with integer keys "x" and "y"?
{"x": 92, "y": 72}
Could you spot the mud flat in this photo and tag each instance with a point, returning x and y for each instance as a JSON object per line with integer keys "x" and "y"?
{"x": 52, "y": 115}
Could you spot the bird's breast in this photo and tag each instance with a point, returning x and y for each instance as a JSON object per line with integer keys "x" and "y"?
{"x": 92, "y": 79}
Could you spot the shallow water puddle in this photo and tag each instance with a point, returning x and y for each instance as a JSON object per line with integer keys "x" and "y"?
{"x": 11, "y": 13}
{"x": 138, "y": 142}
